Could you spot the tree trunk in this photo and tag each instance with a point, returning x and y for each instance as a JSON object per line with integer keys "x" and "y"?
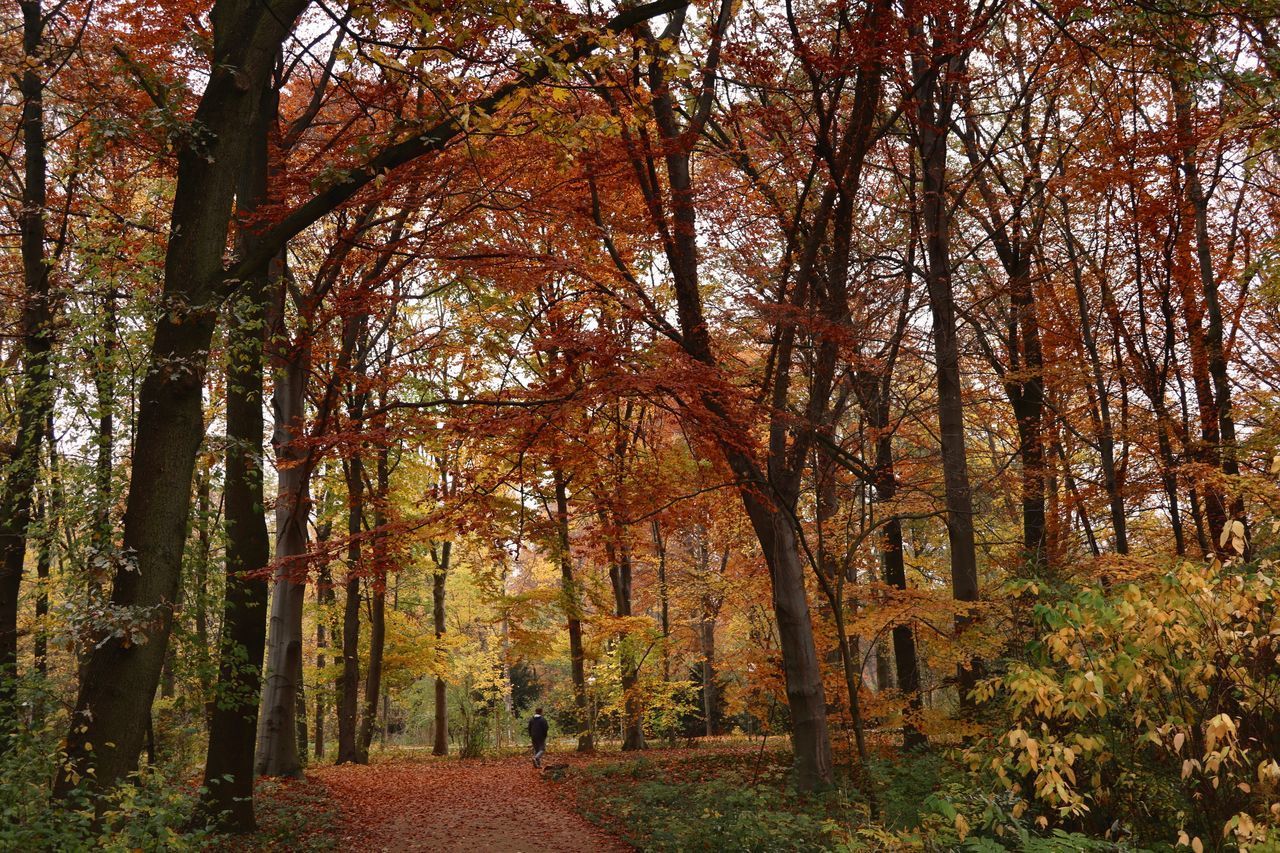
{"x": 1026, "y": 396}
{"x": 441, "y": 746}
{"x": 573, "y": 613}
{"x": 618, "y": 551}
{"x": 47, "y": 521}
{"x": 200, "y": 583}
{"x": 633, "y": 704}
{"x": 103, "y": 552}
{"x": 932, "y": 122}
{"x": 318, "y": 701}
{"x": 664, "y": 604}
{"x": 1106, "y": 432}
{"x": 1213, "y": 333}
{"x": 874, "y": 396}
{"x": 107, "y": 728}
{"x": 507, "y": 698}
{"x": 104, "y": 383}
{"x": 349, "y": 695}
{"x": 300, "y": 716}
{"x": 710, "y": 702}
{"x": 324, "y": 598}
{"x": 378, "y": 607}
{"x": 35, "y": 394}
{"x": 277, "y": 731}
{"x": 373, "y": 675}
{"x": 831, "y": 580}
{"x": 811, "y": 743}
{"x": 53, "y": 504}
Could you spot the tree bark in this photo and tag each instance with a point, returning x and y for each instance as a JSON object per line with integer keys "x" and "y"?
{"x": 572, "y": 605}
{"x": 47, "y": 521}
{"x": 200, "y": 583}
{"x": 1026, "y": 397}
{"x": 619, "y": 555}
{"x": 52, "y": 519}
{"x": 277, "y": 731}
{"x": 104, "y": 382}
{"x": 349, "y": 695}
{"x": 325, "y": 598}
{"x": 378, "y": 602}
{"x": 933, "y": 108}
{"x": 438, "y": 580}
{"x": 35, "y": 393}
{"x": 811, "y": 743}
{"x": 108, "y": 726}
{"x": 664, "y": 603}
{"x": 710, "y": 700}
{"x": 300, "y": 716}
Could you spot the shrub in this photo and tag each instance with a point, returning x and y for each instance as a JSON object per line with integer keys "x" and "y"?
{"x": 1152, "y": 705}
{"x": 146, "y": 813}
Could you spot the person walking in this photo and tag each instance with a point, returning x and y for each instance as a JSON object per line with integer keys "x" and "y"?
{"x": 538, "y": 734}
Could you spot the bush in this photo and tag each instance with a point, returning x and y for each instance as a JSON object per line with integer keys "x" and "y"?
{"x": 1149, "y": 707}
{"x": 147, "y": 813}
{"x": 905, "y": 784}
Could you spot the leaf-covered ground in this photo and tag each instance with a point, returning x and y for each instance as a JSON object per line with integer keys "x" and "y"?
{"x": 498, "y": 805}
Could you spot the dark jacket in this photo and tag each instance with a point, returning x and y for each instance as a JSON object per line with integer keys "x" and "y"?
{"x": 538, "y": 729}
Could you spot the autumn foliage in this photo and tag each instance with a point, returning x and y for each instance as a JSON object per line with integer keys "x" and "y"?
{"x": 894, "y": 380}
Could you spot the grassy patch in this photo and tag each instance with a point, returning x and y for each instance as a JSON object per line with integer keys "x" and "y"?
{"x": 712, "y": 801}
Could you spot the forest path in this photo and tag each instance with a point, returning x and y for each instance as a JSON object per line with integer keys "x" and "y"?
{"x": 451, "y": 806}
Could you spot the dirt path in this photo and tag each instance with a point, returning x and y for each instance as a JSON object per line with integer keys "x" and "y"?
{"x": 446, "y": 805}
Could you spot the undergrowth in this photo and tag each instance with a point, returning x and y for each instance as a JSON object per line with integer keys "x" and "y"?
{"x": 709, "y": 801}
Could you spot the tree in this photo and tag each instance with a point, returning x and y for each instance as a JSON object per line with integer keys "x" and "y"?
{"x": 120, "y": 677}
{"x": 233, "y": 723}
{"x": 35, "y": 394}
{"x": 935, "y": 69}
{"x": 108, "y": 726}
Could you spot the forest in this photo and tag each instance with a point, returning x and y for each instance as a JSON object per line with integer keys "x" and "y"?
{"x": 854, "y": 424}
